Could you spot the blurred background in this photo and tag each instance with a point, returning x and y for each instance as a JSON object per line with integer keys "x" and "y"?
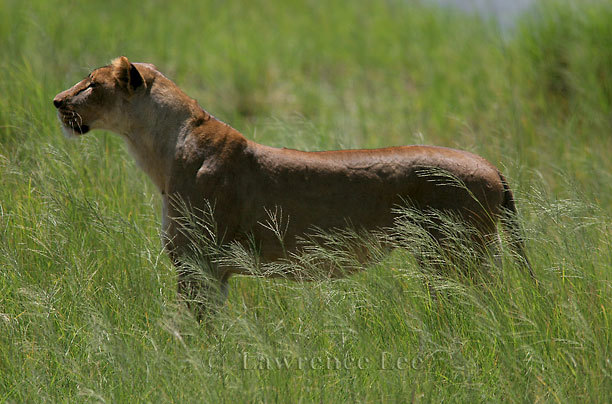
{"x": 523, "y": 83}
{"x": 87, "y": 297}
{"x": 505, "y": 12}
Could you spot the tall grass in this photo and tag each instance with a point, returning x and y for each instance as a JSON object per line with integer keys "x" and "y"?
{"x": 88, "y": 308}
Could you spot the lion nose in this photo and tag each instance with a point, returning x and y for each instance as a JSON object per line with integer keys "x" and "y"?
{"x": 58, "y": 102}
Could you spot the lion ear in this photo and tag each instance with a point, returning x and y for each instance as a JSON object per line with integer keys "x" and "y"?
{"x": 126, "y": 74}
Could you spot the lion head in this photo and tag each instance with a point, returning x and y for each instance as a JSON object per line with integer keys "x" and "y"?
{"x": 98, "y": 101}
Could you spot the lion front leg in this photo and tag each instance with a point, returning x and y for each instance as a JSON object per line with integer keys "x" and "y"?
{"x": 203, "y": 290}
{"x": 202, "y": 285}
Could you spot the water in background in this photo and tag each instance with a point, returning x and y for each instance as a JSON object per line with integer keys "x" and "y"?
{"x": 504, "y": 11}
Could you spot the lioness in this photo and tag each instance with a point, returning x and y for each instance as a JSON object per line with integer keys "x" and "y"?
{"x": 194, "y": 158}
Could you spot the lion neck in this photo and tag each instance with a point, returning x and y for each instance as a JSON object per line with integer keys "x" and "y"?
{"x": 159, "y": 124}
{"x": 152, "y": 131}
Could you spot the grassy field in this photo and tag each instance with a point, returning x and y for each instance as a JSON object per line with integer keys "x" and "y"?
{"x": 88, "y": 308}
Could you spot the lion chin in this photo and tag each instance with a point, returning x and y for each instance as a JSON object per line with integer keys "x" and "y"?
{"x": 72, "y": 130}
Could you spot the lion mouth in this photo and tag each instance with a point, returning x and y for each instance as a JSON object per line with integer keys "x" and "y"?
{"x": 72, "y": 121}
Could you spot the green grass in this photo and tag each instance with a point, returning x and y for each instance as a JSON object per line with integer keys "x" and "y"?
{"x": 88, "y": 308}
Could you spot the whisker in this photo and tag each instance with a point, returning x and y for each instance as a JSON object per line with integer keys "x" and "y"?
{"x": 78, "y": 121}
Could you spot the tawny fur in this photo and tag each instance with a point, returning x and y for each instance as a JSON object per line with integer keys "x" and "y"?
{"x": 195, "y": 158}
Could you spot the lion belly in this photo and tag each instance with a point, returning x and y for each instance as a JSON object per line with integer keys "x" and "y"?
{"x": 302, "y": 193}
{"x": 275, "y": 197}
